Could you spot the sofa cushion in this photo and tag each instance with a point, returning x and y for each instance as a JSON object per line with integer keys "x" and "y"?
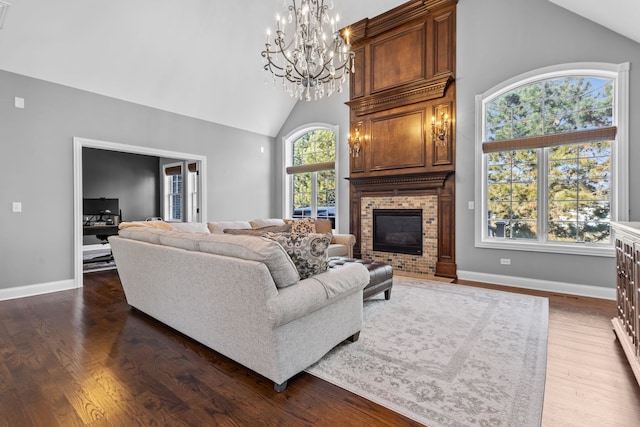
{"x": 177, "y": 239}
{"x": 284, "y": 228}
{"x": 219, "y": 226}
{"x": 149, "y": 224}
{"x": 336, "y": 249}
{"x": 259, "y": 223}
{"x": 144, "y": 234}
{"x": 304, "y": 225}
{"x": 307, "y": 250}
{"x": 254, "y": 248}
{"x": 191, "y": 227}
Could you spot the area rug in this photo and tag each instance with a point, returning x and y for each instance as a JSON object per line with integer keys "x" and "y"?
{"x": 448, "y": 355}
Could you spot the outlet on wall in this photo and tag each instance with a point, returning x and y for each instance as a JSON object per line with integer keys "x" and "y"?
{"x": 505, "y": 261}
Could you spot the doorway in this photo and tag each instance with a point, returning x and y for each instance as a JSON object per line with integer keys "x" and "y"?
{"x": 79, "y": 144}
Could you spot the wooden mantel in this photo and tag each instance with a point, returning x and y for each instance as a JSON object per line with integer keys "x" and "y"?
{"x": 404, "y": 79}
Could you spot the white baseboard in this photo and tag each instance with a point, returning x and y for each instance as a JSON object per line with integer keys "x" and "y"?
{"x": 38, "y": 289}
{"x": 541, "y": 285}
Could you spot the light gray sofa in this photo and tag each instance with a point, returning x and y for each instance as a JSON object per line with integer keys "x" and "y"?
{"x": 341, "y": 244}
{"x": 240, "y": 296}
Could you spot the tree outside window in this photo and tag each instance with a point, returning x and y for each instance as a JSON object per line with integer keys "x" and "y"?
{"x": 548, "y": 161}
{"x": 313, "y": 176}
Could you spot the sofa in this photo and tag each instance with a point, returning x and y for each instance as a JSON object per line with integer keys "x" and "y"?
{"x": 240, "y": 295}
{"x": 341, "y": 244}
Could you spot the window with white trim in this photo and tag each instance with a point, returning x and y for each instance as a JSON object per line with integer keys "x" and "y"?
{"x": 550, "y": 160}
{"x": 311, "y": 174}
{"x": 173, "y": 192}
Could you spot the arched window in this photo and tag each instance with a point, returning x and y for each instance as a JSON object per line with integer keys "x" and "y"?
{"x": 311, "y": 173}
{"x": 550, "y": 163}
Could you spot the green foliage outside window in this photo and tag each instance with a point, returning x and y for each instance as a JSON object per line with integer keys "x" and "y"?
{"x": 578, "y": 176}
{"x": 317, "y": 146}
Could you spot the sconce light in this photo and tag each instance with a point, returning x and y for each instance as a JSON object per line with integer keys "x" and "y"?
{"x": 354, "y": 143}
{"x": 439, "y": 129}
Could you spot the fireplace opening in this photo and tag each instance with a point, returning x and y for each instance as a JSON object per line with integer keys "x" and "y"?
{"x": 397, "y": 230}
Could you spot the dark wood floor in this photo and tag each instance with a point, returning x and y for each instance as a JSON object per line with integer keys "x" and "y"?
{"x": 83, "y": 357}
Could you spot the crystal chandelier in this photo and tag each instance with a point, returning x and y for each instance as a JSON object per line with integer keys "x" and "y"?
{"x": 308, "y": 51}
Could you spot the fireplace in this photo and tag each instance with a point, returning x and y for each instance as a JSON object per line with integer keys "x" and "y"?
{"x": 397, "y": 231}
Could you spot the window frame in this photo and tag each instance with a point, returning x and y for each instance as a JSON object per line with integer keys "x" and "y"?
{"x": 287, "y": 153}
{"x": 167, "y": 191}
{"x": 619, "y": 73}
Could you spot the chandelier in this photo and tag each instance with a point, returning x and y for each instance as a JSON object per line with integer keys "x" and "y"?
{"x": 308, "y": 51}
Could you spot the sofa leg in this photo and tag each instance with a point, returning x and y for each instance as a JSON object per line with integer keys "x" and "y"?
{"x": 387, "y": 294}
{"x": 354, "y": 337}
{"x": 280, "y": 387}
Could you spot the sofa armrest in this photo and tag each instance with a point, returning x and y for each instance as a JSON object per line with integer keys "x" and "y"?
{"x": 310, "y": 294}
{"x": 348, "y": 240}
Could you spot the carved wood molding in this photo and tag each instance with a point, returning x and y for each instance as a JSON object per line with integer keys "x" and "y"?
{"x": 424, "y": 91}
{"x": 431, "y": 180}
{"x": 405, "y": 12}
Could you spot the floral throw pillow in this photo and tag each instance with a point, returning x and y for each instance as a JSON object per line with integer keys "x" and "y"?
{"x": 304, "y": 225}
{"x": 308, "y": 251}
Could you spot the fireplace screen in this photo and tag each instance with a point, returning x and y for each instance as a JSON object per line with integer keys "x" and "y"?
{"x": 397, "y": 230}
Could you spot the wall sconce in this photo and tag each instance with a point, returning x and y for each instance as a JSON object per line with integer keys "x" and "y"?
{"x": 354, "y": 143}
{"x": 440, "y": 129}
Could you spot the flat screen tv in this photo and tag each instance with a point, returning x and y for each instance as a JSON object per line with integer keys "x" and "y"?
{"x": 100, "y": 206}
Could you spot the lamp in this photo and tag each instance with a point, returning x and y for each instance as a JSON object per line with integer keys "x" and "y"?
{"x": 308, "y": 51}
{"x": 354, "y": 144}
{"x": 439, "y": 129}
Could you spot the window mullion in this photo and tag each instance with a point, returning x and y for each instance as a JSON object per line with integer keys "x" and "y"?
{"x": 314, "y": 194}
{"x": 543, "y": 197}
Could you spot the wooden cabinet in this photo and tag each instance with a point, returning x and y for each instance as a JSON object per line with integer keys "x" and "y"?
{"x": 627, "y": 322}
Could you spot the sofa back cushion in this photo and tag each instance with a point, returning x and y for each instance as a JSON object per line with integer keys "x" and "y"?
{"x": 218, "y": 227}
{"x": 191, "y": 227}
{"x": 323, "y": 226}
{"x": 284, "y": 228}
{"x": 254, "y": 248}
{"x": 144, "y": 234}
{"x": 177, "y": 239}
{"x": 259, "y": 223}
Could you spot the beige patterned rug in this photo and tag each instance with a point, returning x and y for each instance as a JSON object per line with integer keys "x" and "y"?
{"x": 448, "y": 355}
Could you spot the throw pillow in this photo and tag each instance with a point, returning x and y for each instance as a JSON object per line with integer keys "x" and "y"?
{"x": 308, "y": 251}
{"x": 323, "y": 226}
{"x": 304, "y": 225}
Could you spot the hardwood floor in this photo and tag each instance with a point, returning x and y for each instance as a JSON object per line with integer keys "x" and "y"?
{"x": 83, "y": 357}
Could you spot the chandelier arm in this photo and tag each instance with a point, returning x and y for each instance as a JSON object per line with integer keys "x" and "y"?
{"x": 314, "y": 57}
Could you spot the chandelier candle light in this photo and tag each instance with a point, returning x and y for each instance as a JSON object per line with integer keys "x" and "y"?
{"x": 308, "y": 51}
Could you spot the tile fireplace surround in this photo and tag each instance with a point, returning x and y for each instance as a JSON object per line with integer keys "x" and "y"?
{"x": 420, "y": 264}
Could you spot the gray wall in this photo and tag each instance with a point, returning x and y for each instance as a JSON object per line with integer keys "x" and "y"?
{"x": 36, "y": 246}
{"x": 497, "y": 40}
{"x": 332, "y": 111}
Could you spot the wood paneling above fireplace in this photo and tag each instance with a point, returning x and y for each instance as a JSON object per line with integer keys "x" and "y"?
{"x": 404, "y": 77}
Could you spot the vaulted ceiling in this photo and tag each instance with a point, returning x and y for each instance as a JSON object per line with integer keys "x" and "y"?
{"x": 199, "y": 58}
